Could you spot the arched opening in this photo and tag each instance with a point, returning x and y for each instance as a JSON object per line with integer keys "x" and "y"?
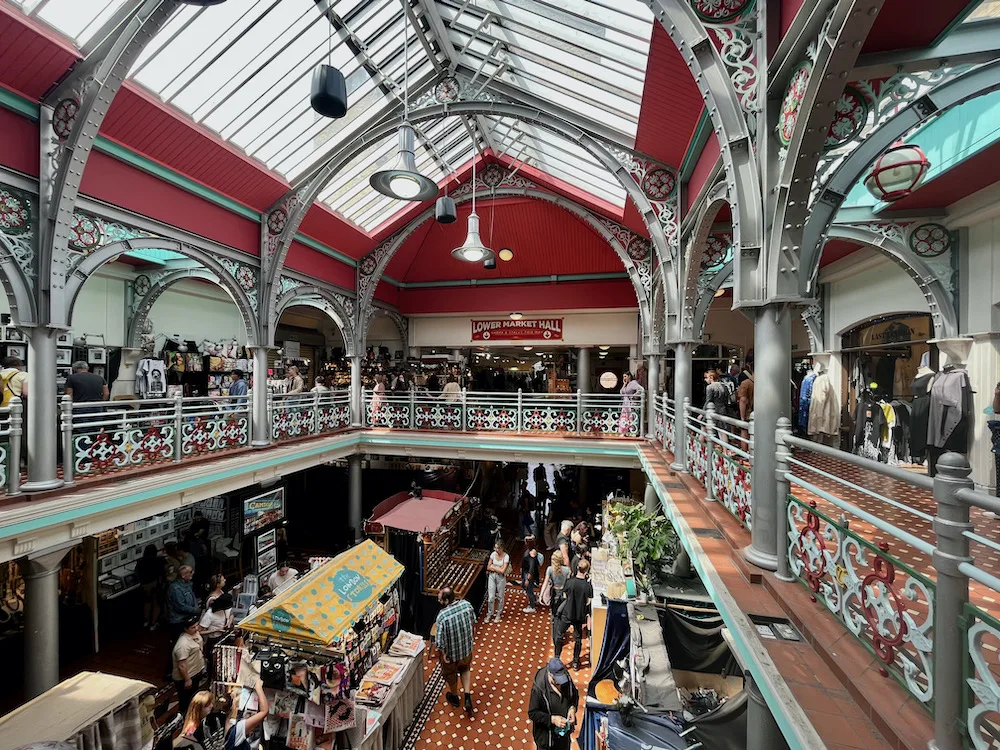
{"x": 309, "y": 337}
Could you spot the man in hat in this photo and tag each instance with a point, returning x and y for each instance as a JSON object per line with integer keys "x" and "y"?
{"x": 552, "y": 707}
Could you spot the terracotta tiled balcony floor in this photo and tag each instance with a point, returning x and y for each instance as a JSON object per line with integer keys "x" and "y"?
{"x": 836, "y": 670}
{"x": 918, "y": 499}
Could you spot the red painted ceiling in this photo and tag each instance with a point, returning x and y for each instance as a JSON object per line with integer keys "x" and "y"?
{"x": 545, "y": 239}
{"x": 835, "y": 250}
{"x": 504, "y": 299}
{"x": 671, "y": 103}
{"x": 905, "y": 24}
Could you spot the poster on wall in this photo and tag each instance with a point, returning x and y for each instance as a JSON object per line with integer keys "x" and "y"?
{"x": 526, "y": 329}
{"x": 268, "y": 560}
{"x": 266, "y": 540}
{"x": 263, "y": 510}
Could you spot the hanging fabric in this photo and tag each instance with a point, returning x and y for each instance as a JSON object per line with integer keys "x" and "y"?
{"x": 824, "y": 410}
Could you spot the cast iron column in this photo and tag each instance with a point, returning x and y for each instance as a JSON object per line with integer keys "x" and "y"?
{"x": 651, "y": 392}
{"x": 261, "y": 417}
{"x": 772, "y": 400}
{"x": 41, "y": 622}
{"x": 43, "y": 417}
{"x": 951, "y": 648}
{"x": 583, "y": 371}
{"x": 456, "y": 355}
{"x": 651, "y": 502}
{"x": 354, "y": 497}
{"x": 682, "y": 390}
{"x": 357, "y": 403}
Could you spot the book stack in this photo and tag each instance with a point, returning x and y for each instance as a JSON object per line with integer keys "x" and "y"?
{"x": 371, "y": 693}
{"x": 406, "y": 644}
{"x": 387, "y": 670}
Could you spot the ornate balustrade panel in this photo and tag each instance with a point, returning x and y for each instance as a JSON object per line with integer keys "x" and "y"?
{"x": 437, "y": 414}
{"x": 981, "y": 701}
{"x": 112, "y": 444}
{"x": 668, "y": 428}
{"x": 333, "y": 414}
{"x": 549, "y": 414}
{"x": 885, "y": 604}
{"x": 697, "y": 454}
{"x": 484, "y": 414}
{"x": 660, "y": 425}
{"x": 292, "y": 417}
{"x": 731, "y": 480}
{"x": 204, "y": 435}
{"x": 608, "y": 416}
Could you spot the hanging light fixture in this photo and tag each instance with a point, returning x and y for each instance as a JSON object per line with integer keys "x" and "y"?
{"x": 403, "y": 180}
{"x": 516, "y": 316}
{"x": 328, "y": 93}
{"x": 473, "y": 250}
{"x": 506, "y": 254}
{"x": 897, "y": 172}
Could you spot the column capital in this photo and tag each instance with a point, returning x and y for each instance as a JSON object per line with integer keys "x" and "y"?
{"x": 45, "y": 561}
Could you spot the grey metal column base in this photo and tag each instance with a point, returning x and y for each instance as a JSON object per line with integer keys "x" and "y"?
{"x": 42, "y": 411}
{"x": 41, "y": 622}
{"x": 52, "y": 484}
{"x": 762, "y": 730}
{"x": 762, "y": 560}
{"x": 261, "y": 437}
{"x": 651, "y": 501}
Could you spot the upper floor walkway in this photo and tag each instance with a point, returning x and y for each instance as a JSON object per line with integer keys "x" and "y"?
{"x": 891, "y": 575}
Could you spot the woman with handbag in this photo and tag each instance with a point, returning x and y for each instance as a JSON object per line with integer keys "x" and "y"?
{"x": 555, "y": 578}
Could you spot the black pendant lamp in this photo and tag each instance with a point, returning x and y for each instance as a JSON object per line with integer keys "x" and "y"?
{"x": 444, "y": 210}
{"x": 328, "y": 93}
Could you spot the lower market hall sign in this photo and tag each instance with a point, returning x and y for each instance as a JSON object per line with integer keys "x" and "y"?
{"x": 527, "y": 329}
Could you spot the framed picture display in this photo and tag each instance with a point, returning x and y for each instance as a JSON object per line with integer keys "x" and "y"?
{"x": 64, "y": 357}
{"x": 266, "y": 540}
{"x": 268, "y": 559}
{"x": 10, "y": 333}
{"x": 64, "y": 339}
{"x": 17, "y": 351}
{"x": 97, "y": 356}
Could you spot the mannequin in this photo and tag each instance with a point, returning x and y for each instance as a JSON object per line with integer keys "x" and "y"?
{"x": 823, "y": 423}
{"x": 920, "y": 409}
{"x": 950, "y": 418}
{"x": 124, "y": 385}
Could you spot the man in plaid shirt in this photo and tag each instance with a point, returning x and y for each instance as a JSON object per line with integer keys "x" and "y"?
{"x": 454, "y": 641}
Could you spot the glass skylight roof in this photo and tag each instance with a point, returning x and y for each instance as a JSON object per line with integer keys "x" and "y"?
{"x": 243, "y": 69}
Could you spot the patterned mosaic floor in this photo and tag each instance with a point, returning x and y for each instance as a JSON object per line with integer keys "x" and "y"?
{"x": 507, "y": 656}
{"x": 919, "y": 500}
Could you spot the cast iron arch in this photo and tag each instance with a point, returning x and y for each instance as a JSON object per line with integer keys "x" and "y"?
{"x": 321, "y": 299}
{"x": 705, "y": 300}
{"x": 735, "y": 142}
{"x": 155, "y": 292}
{"x": 642, "y": 296}
{"x": 976, "y": 82}
{"x": 397, "y": 320}
{"x": 717, "y": 198}
{"x": 939, "y": 299}
{"x": 107, "y": 253}
{"x": 295, "y": 205}
{"x": 20, "y": 298}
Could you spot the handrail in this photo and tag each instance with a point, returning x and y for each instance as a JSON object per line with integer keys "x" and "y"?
{"x": 875, "y": 584}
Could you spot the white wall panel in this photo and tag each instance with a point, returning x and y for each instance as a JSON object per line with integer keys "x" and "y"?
{"x": 881, "y": 288}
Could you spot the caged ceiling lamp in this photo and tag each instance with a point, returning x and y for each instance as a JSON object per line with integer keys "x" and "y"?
{"x": 403, "y": 180}
{"x": 897, "y": 172}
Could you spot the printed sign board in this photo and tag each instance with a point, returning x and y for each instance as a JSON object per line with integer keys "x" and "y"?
{"x": 263, "y": 510}
{"x": 526, "y": 329}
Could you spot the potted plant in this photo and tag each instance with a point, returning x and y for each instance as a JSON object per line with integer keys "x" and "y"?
{"x": 648, "y": 537}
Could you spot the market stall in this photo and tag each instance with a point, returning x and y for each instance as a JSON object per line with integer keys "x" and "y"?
{"x": 334, "y": 665}
{"x": 426, "y": 529}
{"x": 80, "y": 711}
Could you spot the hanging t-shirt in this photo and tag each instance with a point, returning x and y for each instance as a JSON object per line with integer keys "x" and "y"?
{"x": 805, "y": 400}
{"x": 151, "y": 379}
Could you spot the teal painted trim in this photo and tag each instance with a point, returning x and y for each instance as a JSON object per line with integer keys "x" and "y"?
{"x": 326, "y": 250}
{"x": 347, "y": 441}
{"x": 692, "y": 153}
{"x": 958, "y": 21}
{"x": 132, "y": 158}
{"x": 625, "y": 450}
{"x": 698, "y": 561}
{"x": 17, "y": 103}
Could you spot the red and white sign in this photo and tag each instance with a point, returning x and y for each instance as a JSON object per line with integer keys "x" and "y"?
{"x": 526, "y": 329}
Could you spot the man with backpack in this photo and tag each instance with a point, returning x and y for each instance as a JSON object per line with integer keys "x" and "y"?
{"x": 14, "y": 382}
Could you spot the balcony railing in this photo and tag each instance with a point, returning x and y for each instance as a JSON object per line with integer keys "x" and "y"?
{"x": 720, "y": 457}
{"x": 604, "y": 415}
{"x": 665, "y": 415}
{"x": 102, "y": 438}
{"x": 914, "y": 581}
{"x": 304, "y": 414}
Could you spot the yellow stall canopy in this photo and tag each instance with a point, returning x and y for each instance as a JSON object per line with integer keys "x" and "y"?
{"x": 322, "y": 606}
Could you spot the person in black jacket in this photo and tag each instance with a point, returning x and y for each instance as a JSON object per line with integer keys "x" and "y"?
{"x": 552, "y": 707}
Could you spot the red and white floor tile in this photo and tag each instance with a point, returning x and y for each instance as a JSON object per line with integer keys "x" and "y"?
{"x": 506, "y": 658}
